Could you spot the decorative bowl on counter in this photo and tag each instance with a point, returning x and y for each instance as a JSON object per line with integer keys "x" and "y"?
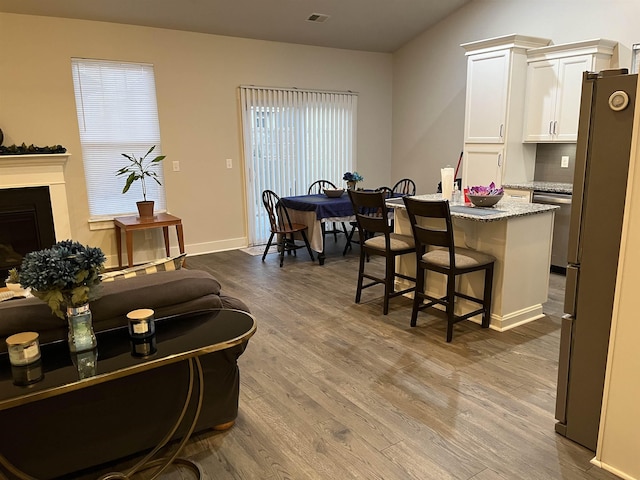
{"x": 484, "y": 200}
{"x": 333, "y": 193}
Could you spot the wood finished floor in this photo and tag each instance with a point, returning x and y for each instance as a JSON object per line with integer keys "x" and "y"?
{"x": 335, "y": 390}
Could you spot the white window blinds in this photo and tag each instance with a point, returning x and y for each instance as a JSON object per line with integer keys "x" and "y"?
{"x": 291, "y": 139}
{"x": 117, "y": 113}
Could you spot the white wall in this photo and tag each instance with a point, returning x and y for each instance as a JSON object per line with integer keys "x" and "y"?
{"x": 429, "y": 76}
{"x": 197, "y": 76}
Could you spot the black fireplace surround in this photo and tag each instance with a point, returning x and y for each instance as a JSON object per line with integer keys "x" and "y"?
{"x": 26, "y": 225}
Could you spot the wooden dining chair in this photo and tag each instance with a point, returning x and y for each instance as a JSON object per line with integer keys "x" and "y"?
{"x": 372, "y": 217}
{"x": 406, "y": 186}
{"x": 318, "y": 187}
{"x": 435, "y": 251}
{"x": 281, "y": 225}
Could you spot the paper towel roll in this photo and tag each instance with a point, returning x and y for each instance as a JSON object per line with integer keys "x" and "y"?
{"x": 447, "y": 182}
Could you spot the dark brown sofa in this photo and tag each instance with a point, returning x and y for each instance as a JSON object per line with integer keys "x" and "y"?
{"x": 86, "y": 428}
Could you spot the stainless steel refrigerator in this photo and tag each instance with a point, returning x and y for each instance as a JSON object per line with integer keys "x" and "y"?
{"x": 598, "y": 202}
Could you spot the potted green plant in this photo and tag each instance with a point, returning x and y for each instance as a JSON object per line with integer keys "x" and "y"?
{"x": 138, "y": 169}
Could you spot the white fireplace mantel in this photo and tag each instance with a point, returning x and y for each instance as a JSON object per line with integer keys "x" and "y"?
{"x": 18, "y": 171}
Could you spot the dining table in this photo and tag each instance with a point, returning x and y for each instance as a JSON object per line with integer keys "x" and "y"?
{"x": 315, "y": 211}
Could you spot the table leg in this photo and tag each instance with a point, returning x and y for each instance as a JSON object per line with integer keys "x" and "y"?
{"x": 196, "y": 381}
{"x": 129, "y": 235}
{"x": 321, "y": 254}
{"x": 165, "y": 232}
{"x": 180, "y": 237}
{"x": 119, "y": 245}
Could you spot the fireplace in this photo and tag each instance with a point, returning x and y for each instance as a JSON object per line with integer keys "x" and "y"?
{"x": 40, "y": 175}
{"x": 26, "y": 224}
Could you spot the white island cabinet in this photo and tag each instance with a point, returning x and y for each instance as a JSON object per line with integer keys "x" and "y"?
{"x": 554, "y": 87}
{"x": 496, "y": 77}
{"x": 519, "y": 236}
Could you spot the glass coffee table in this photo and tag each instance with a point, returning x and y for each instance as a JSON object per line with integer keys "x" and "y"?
{"x": 182, "y": 339}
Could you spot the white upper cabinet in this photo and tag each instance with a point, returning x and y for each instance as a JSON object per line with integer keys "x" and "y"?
{"x": 487, "y": 93}
{"x": 496, "y": 77}
{"x": 554, "y": 87}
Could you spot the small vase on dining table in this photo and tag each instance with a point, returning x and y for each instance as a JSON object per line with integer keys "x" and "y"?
{"x": 81, "y": 335}
{"x": 351, "y": 185}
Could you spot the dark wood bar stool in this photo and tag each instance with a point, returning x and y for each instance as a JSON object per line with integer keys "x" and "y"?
{"x": 446, "y": 259}
{"x": 372, "y": 217}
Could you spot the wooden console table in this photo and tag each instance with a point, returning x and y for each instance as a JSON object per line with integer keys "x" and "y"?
{"x": 131, "y": 223}
{"x": 182, "y": 338}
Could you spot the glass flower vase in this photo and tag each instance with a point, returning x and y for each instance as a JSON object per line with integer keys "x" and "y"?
{"x": 81, "y": 335}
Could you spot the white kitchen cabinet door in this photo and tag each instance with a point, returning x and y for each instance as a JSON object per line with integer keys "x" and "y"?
{"x": 542, "y": 88}
{"x": 569, "y": 94}
{"x": 482, "y": 164}
{"x": 487, "y": 95}
{"x": 554, "y": 87}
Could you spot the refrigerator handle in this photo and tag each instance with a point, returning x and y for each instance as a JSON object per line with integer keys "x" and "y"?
{"x": 580, "y": 169}
{"x": 570, "y": 290}
{"x": 566, "y": 334}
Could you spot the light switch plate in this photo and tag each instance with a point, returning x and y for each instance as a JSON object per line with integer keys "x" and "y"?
{"x": 564, "y": 162}
{"x": 176, "y": 166}
{"x": 229, "y": 163}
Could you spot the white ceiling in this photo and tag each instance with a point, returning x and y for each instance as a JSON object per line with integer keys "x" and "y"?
{"x": 369, "y": 25}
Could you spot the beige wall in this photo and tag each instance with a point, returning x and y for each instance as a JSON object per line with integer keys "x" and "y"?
{"x": 197, "y": 77}
{"x": 619, "y": 439}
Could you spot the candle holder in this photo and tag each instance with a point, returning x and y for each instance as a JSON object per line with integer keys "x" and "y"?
{"x": 23, "y": 348}
{"x": 141, "y": 324}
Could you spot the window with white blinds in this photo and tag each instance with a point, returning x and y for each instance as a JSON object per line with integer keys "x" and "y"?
{"x": 117, "y": 113}
{"x": 291, "y": 139}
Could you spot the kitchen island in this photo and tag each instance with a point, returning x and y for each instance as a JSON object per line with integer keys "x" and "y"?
{"x": 519, "y": 236}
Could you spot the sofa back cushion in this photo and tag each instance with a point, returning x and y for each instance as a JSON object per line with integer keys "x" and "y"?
{"x": 167, "y": 293}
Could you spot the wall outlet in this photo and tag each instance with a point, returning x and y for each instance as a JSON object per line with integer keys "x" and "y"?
{"x": 564, "y": 162}
{"x": 229, "y": 163}
{"x": 176, "y": 166}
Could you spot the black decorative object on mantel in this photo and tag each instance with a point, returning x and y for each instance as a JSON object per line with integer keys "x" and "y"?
{"x": 30, "y": 150}
{"x": 1, "y": 136}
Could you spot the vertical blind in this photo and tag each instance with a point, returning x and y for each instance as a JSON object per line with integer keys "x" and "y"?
{"x": 291, "y": 139}
{"x": 117, "y": 113}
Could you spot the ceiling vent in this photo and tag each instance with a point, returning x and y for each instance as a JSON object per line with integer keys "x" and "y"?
{"x": 318, "y": 18}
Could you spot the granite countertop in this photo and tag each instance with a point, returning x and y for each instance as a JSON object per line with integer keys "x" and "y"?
{"x": 548, "y": 187}
{"x": 503, "y": 210}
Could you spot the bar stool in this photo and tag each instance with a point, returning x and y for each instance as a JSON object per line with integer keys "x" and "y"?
{"x": 372, "y": 216}
{"x": 446, "y": 259}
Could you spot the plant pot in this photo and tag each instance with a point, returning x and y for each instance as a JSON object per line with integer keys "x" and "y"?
{"x": 351, "y": 185}
{"x": 145, "y": 208}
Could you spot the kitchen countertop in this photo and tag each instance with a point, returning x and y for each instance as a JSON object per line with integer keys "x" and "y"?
{"x": 503, "y": 210}
{"x": 548, "y": 187}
